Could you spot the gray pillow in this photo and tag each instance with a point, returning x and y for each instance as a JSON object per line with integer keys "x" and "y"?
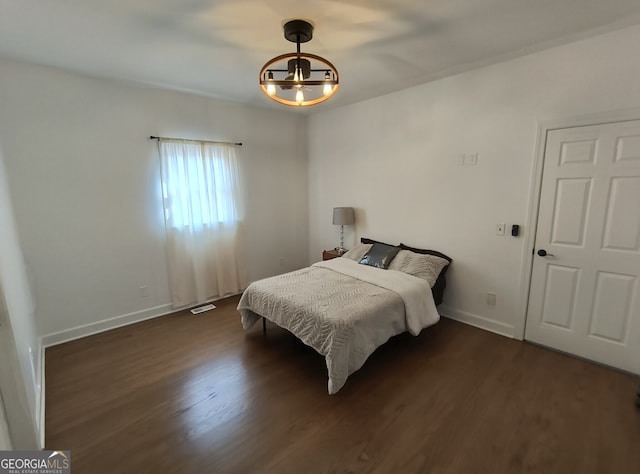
{"x": 380, "y": 255}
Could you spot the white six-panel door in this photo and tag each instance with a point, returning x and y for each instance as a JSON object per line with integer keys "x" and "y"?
{"x": 585, "y": 293}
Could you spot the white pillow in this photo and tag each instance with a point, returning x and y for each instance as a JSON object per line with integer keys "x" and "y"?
{"x": 427, "y": 267}
{"x": 357, "y": 252}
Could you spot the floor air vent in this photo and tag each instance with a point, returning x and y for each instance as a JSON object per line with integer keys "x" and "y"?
{"x": 202, "y": 309}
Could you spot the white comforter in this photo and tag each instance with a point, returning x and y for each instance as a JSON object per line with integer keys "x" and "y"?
{"x": 342, "y": 309}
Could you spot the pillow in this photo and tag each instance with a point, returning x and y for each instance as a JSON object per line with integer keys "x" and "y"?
{"x": 427, "y": 252}
{"x": 357, "y": 252}
{"x": 380, "y": 255}
{"x": 424, "y": 266}
{"x": 441, "y": 282}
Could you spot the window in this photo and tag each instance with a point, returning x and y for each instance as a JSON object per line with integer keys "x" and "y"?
{"x": 200, "y": 183}
{"x": 202, "y": 209}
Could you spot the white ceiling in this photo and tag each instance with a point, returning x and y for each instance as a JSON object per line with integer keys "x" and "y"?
{"x": 216, "y": 47}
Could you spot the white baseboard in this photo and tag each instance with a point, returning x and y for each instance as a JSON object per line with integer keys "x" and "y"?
{"x": 104, "y": 325}
{"x": 477, "y": 321}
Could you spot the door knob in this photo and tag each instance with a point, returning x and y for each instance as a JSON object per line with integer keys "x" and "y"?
{"x": 543, "y": 253}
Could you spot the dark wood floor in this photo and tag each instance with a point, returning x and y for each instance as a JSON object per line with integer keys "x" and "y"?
{"x": 197, "y": 394}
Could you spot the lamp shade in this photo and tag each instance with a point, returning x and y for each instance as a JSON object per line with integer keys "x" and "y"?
{"x": 343, "y": 216}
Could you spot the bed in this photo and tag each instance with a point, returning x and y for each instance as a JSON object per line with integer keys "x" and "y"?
{"x": 347, "y": 307}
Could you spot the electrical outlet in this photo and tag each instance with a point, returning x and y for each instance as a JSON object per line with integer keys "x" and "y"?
{"x": 281, "y": 261}
{"x": 144, "y": 291}
{"x": 500, "y": 229}
{"x": 491, "y": 299}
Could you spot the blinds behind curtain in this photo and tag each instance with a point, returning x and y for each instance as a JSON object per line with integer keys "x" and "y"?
{"x": 203, "y": 216}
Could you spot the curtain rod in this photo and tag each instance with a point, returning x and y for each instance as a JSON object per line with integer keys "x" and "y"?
{"x": 191, "y": 140}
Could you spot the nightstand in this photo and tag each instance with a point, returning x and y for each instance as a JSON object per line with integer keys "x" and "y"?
{"x": 329, "y": 254}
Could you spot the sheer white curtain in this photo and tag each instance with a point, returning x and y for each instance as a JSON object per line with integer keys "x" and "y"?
{"x": 203, "y": 216}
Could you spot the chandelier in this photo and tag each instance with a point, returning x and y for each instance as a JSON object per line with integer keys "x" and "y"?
{"x": 298, "y": 78}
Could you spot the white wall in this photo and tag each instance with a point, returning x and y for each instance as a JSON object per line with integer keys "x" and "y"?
{"x": 19, "y": 344}
{"x": 396, "y": 159}
{"x": 85, "y": 185}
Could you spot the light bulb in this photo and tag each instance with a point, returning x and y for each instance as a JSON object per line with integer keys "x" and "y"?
{"x": 271, "y": 88}
{"x": 299, "y": 97}
{"x": 326, "y": 90}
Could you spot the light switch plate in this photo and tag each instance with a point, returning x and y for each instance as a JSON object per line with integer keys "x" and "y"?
{"x": 491, "y": 299}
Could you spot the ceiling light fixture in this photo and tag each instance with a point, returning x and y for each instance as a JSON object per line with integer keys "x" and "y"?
{"x": 298, "y": 79}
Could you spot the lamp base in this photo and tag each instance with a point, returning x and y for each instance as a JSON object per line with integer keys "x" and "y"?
{"x": 340, "y": 250}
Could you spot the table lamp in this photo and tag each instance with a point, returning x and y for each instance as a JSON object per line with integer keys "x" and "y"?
{"x": 343, "y": 216}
